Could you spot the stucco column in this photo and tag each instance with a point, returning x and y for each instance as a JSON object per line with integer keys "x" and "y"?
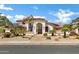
{"x": 34, "y": 28}
{"x": 27, "y": 27}
{"x": 76, "y": 30}
{"x": 43, "y": 28}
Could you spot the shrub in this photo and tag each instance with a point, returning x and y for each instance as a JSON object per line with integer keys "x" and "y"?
{"x": 45, "y": 34}
{"x": 49, "y": 38}
{"x": 73, "y": 33}
{"x": 77, "y": 37}
{"x": 7, "y": 34}
{"x": 2, "y": 30}
{"x": 52, "y": 32}
{"x": 19, "y": 31}
{"x": 56, "y": 39}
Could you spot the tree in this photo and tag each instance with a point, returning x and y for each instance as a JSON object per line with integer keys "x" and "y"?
{"x": 4, "y": 21}
{"x": 70, "y": 27}
{"x": 29, "y": 19}
{"x": 66, "y": 28}
{"x": 52, "y": 31}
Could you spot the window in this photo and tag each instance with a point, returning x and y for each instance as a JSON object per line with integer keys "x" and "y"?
{"x": 46, "y": 29}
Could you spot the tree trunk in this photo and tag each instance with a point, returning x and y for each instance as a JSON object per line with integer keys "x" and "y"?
{"x": 52, "y": 34}
{"x": 64, "y": 34}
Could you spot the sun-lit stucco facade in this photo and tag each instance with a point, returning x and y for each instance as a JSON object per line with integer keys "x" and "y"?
{"x": 37, "y": 25}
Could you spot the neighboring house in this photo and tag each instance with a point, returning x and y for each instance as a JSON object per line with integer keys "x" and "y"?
{"x": 59, "y": 30}
{"x": 37, "y": 25}
{"x": 75, "y": 25}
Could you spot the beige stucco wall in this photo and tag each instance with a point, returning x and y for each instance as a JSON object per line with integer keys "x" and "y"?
{"x": 50, "y": 27}
{"x": 34, "y": 28}
{"x": 20, "y": 23}
{"x": 76, "y": 30}
{"x": 35, "y": 24}
{"x": 26, "y": 25}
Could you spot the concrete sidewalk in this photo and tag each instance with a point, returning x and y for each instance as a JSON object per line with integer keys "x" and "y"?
{"x": 37, "y": 43}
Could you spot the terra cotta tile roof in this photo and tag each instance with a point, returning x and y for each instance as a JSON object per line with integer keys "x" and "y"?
{"x": 42, "y": 19}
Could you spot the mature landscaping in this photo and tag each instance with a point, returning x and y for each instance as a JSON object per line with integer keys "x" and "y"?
{"x": 68, "y": 30}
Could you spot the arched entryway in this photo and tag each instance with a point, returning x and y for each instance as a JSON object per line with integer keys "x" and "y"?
{"x": 39, "y": 28}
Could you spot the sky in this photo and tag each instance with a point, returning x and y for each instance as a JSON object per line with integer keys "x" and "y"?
{"x": 56, "y": 13}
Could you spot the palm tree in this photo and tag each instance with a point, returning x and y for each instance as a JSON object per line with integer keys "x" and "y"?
{"x": 29, "y": 20}
{"x": 52, "y": 31}
{"x": 70, "y": 27}
{"x": 66, "y": 28}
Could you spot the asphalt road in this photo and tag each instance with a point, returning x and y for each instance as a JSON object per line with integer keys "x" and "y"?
{"x": 39, "y": 49}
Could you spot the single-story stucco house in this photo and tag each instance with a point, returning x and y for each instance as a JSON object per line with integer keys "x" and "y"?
{"x": 37, "y": 25}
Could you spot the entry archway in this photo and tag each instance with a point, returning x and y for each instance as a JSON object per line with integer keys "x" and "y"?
{"x": 39, "y": 28}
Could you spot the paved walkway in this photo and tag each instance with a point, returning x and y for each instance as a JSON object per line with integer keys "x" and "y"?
{"x": 45, "y": 42}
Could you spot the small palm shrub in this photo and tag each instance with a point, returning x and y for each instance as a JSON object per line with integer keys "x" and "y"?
{"x": 48, "y": 38}
{"x": 7, "y": 34}
{"x": 45, "y": 34}
{"x": 52, "y": 32}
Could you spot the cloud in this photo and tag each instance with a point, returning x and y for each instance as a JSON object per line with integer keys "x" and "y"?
{"x": 39, "y": 16}
{"x": 2, "y": 14}
{"x": 35, "y": 7}
{"x": 64, "y": 16}
{"x": 3, "y": 7}
{"x": 13, "y": 18}
{"x": 50, "y": 12}
{"x": 9, "y": 17}
{"x": 17, "y": 17}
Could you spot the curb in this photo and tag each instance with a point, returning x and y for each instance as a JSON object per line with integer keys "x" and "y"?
{"x": 37, "y": 43}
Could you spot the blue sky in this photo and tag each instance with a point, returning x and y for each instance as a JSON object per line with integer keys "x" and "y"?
{"x": 56, "y": 13}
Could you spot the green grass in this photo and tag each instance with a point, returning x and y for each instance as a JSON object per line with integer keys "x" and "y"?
{"x": 2, "y": 30}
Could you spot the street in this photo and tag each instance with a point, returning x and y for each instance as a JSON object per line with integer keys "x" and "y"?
{"x": 39, "y": 49}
